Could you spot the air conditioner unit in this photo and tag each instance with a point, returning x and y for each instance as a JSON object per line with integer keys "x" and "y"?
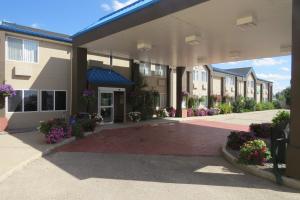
{"x": 22, "y": 71}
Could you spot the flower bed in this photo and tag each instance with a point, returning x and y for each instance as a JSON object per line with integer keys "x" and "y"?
{"x": 237, "y": 138}
{"x": 262, "y": 130}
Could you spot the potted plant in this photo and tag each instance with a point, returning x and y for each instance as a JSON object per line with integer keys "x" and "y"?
{"x": 135, "y": 116}
{"x": 5, "y": 91}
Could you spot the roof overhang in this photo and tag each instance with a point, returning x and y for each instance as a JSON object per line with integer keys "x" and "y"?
{"x": 166, "y": 23}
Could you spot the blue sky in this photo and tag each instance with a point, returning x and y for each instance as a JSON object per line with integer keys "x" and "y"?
{"x": 70, "y": 16}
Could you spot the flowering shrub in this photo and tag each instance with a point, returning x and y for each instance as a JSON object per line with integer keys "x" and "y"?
{"x": 7, "y": 90}
{"x": 45, "y": 127}
{"x": 172, "y": 112}
{"x": 200, "y": 112}
{"x": 237, "y": 139}
{"x": 254, "y": 152}
{"x": 213, "y": 111}
{"x": 57, "y": 134}
{"x": 162, "y": 113}
{"x": 262, "y": 130}
{"x": 97, "y": 117}
{"x": 135, "y": 116}
{"x": 88, "y": 125}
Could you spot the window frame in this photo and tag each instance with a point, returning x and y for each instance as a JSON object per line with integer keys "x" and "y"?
{"x": 54, "y": 102}
{"x": 21, "y": 61}
{"x": 23, "y": 90}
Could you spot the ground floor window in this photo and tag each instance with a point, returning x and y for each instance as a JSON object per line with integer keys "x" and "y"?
{"x": 53, "y": 100}
{"x": 23, "y": 101}
{"x": 29, "y": 101}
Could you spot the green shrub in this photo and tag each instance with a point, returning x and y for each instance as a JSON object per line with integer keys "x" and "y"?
{"x": 238, "y": 105}
{"x": 254, "y": 153}
{"x": 281, "y": 119}
{"x": 225, "y": 108}
{"x": 268, "y": 106}
{"x": 46, "y": 126}
{"x": 88, "y": 125}
{"x": 77, "y": 130}
{"x": 250, "y": 104}
{"x": 259, "y": 107}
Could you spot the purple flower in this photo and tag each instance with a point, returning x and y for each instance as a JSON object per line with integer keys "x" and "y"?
{"x": 88, "y": 93}
{"x": 7, "y": 90}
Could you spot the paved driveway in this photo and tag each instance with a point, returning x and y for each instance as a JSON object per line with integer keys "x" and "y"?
{"x": 190, "y": 138}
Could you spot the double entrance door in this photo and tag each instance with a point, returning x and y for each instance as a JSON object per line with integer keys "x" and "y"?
{"x": 112, "y": 104}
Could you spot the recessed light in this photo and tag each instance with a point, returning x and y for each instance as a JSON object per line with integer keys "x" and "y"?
{"x": 193, "y": 40}
{"x": 142, "y": 46}
{"x": 246, "y": 22}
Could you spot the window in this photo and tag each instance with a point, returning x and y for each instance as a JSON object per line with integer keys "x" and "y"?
{"x": 24, "y": 101}
{"x": 22, "y": 50}
{"x": 204, "y": 76}
{"x": 160, "y": 71}
{"x": 251, "y": 84}
{"x": 145, "y": 69}
{"x": 53, "y": 100}
{"x": 229, "y": 81}
{"x": 163, "y": 100}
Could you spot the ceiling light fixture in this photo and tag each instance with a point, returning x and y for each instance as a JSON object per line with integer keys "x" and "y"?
{"x": 142, "y": 46}
{"x": 246, "y": 22}
{"x": 193, "y": 40}
{"x": 235, "y": 55}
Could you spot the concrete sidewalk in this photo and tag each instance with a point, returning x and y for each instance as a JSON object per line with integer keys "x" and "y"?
{"x": 17, "y": 150}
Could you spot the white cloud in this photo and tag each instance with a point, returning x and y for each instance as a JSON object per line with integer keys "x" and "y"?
{"x": 35, "y": 25}
{"x": 116, "y": 4}
{"x": 106, "y": 7}
{"x": 267, "y": 62}
{"x": 285, "y": 69}
{"x": 274, "y": 77}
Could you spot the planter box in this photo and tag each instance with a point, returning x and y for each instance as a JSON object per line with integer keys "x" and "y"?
{"x": 3, "y": 124}
{"x": 183, "y": 113}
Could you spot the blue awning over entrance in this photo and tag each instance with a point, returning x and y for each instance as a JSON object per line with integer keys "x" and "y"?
{"x": 97, "y": 75}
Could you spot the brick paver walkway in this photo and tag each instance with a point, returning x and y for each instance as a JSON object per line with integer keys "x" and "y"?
{"x": 187, "y": 138}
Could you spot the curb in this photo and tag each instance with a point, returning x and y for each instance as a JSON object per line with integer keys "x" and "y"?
{"x": 255, "y": 170}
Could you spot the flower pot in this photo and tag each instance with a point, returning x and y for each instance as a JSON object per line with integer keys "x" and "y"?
{"x": 3, "y": 123}
{"x": 183, "y": 113}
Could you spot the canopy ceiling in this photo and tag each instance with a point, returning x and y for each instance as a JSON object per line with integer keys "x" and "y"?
{"x": 215, "y": 22}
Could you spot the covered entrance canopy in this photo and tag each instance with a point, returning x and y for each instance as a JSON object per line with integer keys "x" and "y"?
{"x": 182, "y": 34}
{"x": 211, "y": 25}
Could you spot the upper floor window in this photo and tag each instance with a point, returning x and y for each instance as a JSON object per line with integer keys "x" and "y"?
{"x": 145, "y": 69}
{"x": 229, "y": 81}
{"x": 200, "y": 76}
{"x": 21, "y": 50}
{"x": 251, "y": 84}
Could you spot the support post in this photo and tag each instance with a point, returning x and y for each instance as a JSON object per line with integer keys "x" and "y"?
{"x": 79, "y": 81}
{"x": 169, "y": 71}
{"x": 179, "y": 76}
{"x": 293, "y": 158}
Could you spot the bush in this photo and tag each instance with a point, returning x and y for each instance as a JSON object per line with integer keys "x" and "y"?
{"x": 237, "y": 138}
{"x": 213, "y": 111}
{"x": 57, "y": 134}
{"x": 254, "y": 153}
{"x": 259, "y": 107}
{"x": 268, "y": 106}
{"x": 261, "y": 130}
{"x": 250, "y": 104}
{"x": 135, "y": 116}
{"x": 200, "y": 112}
{"x": 77, "y": 130}
{"x": 88, "y": 125}
{"x": 172, "y": 112}
{"x": 281, "y": 119}
{"x": 162, "y": 113}
{"x": 225, "y": 108}
{"x": 45, "y": 127}
{"x": 238, "y": 105}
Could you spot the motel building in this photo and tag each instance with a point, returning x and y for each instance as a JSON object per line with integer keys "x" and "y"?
{"x": 171, "y": 43}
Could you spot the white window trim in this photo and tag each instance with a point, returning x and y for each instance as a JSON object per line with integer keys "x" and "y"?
{"x": 21, "y": 61}
{"x": 54, "y": 103}
{"x": 38, "y": 100}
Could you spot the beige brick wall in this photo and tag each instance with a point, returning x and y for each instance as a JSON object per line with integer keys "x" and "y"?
{"x": 216, "y": 86}
{"x": 198, "y": 87}
{"x": 250, "y": 91}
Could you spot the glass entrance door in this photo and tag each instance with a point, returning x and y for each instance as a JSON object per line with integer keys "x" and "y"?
{"x": 106, "y": 106}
